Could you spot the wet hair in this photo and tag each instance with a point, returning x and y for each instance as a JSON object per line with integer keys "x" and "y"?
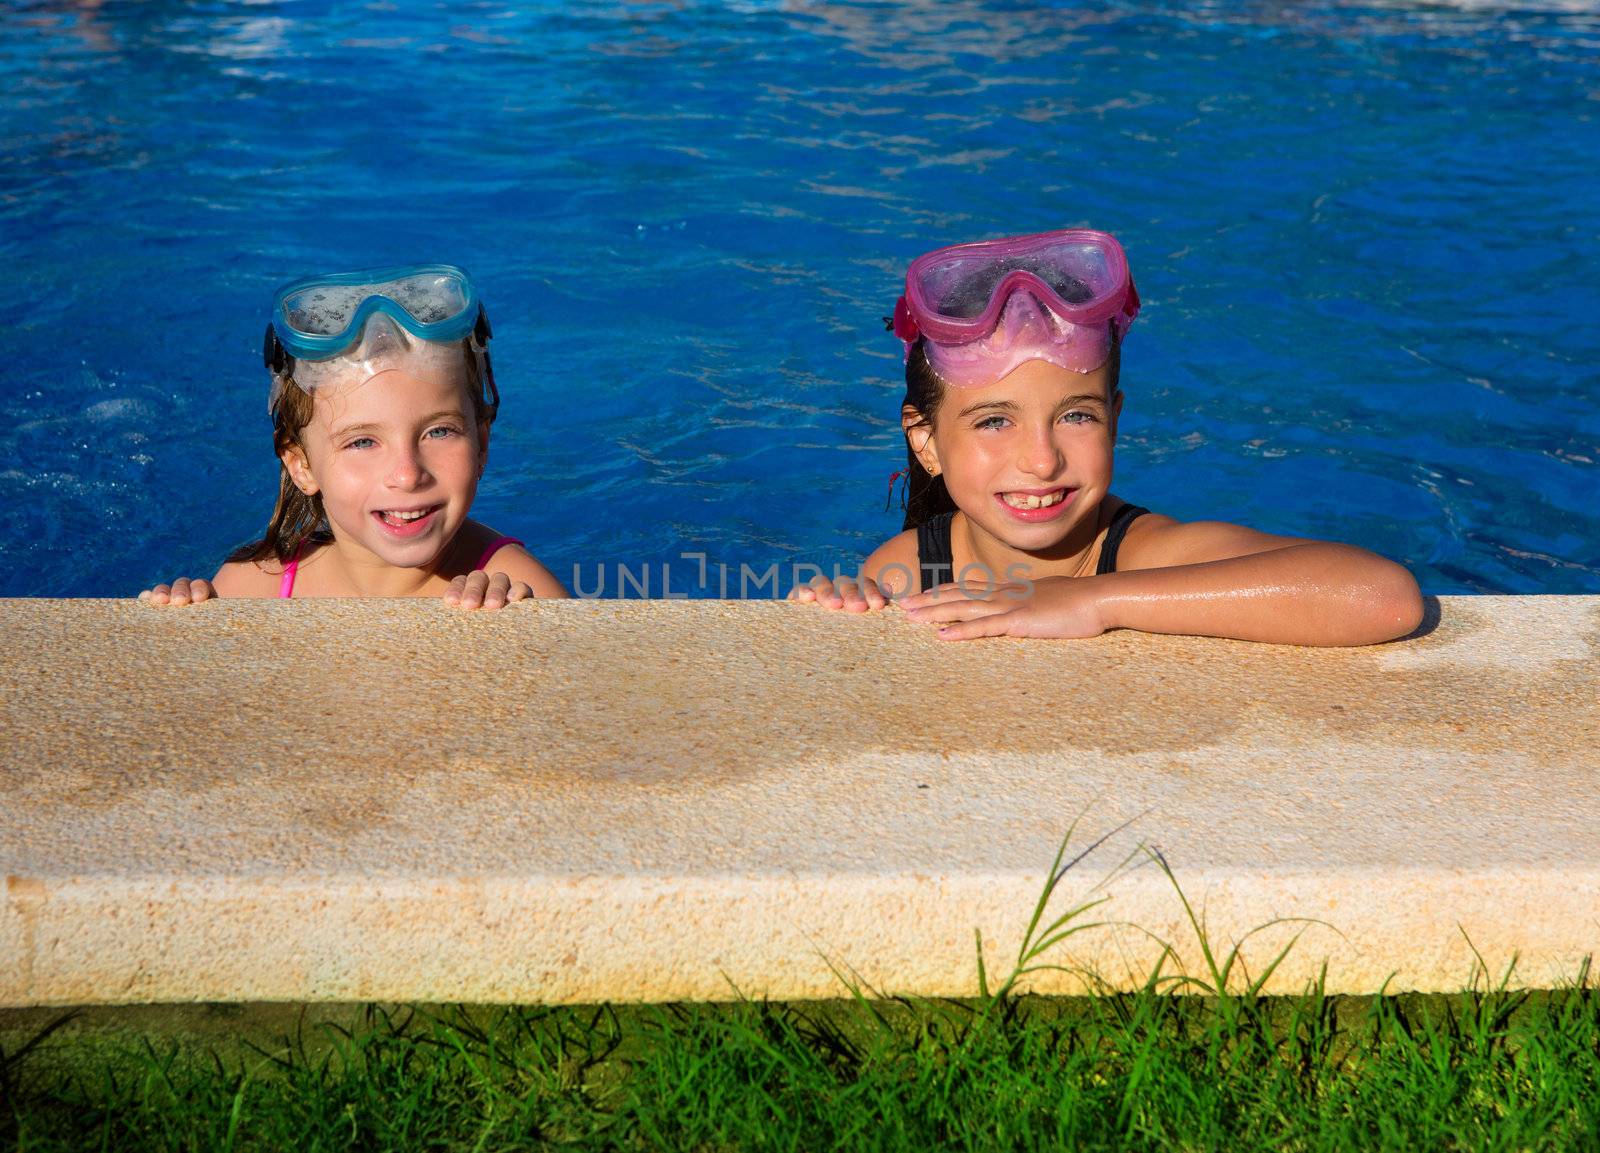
{"x": 298, "y": 518}
{"x": 925, "y": 494}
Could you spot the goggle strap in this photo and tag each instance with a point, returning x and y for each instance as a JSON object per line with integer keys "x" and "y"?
{"x": 903, "y": 323}
{"x": 275, "y": 357}
{"x": 491, "y": 391}
{"x": 481, "y": 334}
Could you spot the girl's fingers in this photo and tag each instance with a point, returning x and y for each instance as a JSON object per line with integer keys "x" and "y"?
{"x": 494, "y": 596}
{"x": 938, "y": 595}
{"x": 959, "y": 609}
{"x": 863, "y": 596}
{"x": 845, "y": 593}
{"x": 479, "y": 590}
{"x": 858, "y": 595}
{"x": 182, "y": 591}
{"x": 852, "y": 599}
{"x": 1006, "y": 595}
{"x": 467, "y": 591}
{"x": 825, "y": 594}
{"x": 995, "y": 625}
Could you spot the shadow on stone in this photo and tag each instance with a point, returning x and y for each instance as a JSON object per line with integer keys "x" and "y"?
{"x": 1432, "y": 614}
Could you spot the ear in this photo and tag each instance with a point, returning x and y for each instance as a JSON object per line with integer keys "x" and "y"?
{"x": 919, "y": 435}
{"x": 299, "y": 469}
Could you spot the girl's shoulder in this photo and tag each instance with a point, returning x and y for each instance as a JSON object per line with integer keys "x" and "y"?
{"x": 1155, "y": 540}
{"x": 893, "y": 564}
{"x": 249, "y": 578}
{"x": 496, "y": 552}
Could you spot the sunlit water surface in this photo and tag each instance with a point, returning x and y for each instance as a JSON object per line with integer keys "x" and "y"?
{"x": 1367, "y": 239}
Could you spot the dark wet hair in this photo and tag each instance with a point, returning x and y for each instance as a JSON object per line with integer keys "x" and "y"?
{"x": 925, "y": 494}
{"x": 298, "y": 518}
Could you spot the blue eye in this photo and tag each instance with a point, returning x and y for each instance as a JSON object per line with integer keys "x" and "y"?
{"x": 1078, "y": 416}
{"x": 991, "y": 422}
{"x": 361, "y": 442}
{"x": 441, "y": 432}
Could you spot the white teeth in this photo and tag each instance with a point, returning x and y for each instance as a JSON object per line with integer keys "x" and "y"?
{"x": 406, "y": 516}
{"x": 1027, "y": 500}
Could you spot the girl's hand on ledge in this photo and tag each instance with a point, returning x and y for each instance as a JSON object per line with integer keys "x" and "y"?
{"x": 1051, "y": 607}
{"x": 846, "y": 594}
{"x": 479, "y": 590}
{"x": 1305, "y": 593}
{"x": 182, "y": 591}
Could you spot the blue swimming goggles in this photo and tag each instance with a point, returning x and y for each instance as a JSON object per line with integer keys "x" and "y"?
{"x": 321, "y": 316}
{"x": 325, "y": 328}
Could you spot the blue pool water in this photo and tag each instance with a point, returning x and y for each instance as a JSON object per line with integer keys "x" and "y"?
{"x": 1368, "y": 239}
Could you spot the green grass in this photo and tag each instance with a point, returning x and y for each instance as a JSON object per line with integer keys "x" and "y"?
{"x": 1219, "y": 1067}
{"x": 1488, "y": 1069}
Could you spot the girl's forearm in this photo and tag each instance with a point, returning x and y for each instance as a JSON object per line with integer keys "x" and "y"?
{"x": 1304, "y": 594}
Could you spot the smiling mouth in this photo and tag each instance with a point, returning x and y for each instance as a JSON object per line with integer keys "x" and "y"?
{"x": 405, "y": 520}
{"x": 1029, "y": 500}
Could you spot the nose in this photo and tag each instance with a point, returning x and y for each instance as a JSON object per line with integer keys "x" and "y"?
{"x": 406, "y": 468}
{"x": 1038, "y": 454}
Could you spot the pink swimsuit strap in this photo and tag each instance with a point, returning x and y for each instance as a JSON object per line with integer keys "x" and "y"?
{"x": 286, "y": 585}
{"x": 495, "y": 546}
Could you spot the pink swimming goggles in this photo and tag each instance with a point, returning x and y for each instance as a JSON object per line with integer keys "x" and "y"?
{"x": 985, "y": 308}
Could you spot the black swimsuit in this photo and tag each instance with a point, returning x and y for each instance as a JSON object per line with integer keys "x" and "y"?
{"x": 935, "y": 564}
